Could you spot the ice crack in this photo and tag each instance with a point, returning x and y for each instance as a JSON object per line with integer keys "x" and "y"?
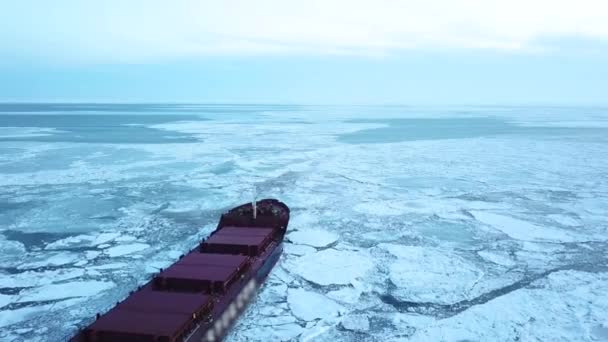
{"x": 448, "y": 310}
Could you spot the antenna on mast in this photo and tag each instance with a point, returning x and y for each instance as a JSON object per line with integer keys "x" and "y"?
{"x": 254, "y": 203}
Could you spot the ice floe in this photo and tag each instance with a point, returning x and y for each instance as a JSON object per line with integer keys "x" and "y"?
{"x": 497, "y": 258}
{"x": 522, "y": 230}
{"x": 51, "y": 259}
{"x": 430, "y": 275}
{"x": 331, "y": 266}
{"x": 5, "y": 299}
{"x": 64, "y": 290}
{"x": 278, "y": 332}
{"x": 273, "y": 293}
{"x": 279, "y": 274}
{"x": 299, "y": 249}
{"x": 410, "y": 319}
{"x": 110, "y": 266}
{"x": 10, "y": 317}
{"x": 317, "y": 331}
{"x": 347, "y": 295}
{"x": 564, "y": 220}
{"x": 87, "y": 240}
{"x": 380, "y": 208}
{"x": 27, "y": 132}
{"x": 313, "y": 237}
{"x": 573, "y": 305}
{"x": 71, "y": 241}
{"x": 278, "y": 320}
{"x": 355, "y": 322}
{"x": 308, "y": 305}
{"x": 10, "y": 252}
{"x": 104, "y": 238}
{"x": 427, "y": 194}
{"x": 122, "y": 250}
{"x": 38, "y": 278}
{"x": 92, "y": 254}
{"x": 125, "y": 238}
{"x": 278, "y": 309}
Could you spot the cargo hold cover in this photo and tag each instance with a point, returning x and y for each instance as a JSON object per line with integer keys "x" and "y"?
{"x": 229, "y": 241}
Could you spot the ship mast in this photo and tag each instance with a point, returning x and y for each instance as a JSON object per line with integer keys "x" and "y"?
{"x": 254, "y": 203}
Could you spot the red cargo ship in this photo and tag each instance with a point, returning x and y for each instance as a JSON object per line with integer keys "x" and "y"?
{"x": 200, "y": 296}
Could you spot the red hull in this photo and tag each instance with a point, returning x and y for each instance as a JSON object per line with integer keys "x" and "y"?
{"x": 201, "y": 295}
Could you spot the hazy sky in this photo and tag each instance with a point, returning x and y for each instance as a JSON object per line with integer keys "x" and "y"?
{"x": 284, "y": 51}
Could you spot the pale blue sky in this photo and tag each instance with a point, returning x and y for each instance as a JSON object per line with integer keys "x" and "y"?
{"x": 284, "y": 51}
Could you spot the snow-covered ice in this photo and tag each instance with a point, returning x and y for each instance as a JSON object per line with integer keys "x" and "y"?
{"x": 407, "y": 223}
{"x": 313, "y": 237}
{"x": 39, "y": 278}
{"x": 50, "y": 259}
{"x": 64, "y": 290}
{"x": 5, "y": 299}
{"x": 331, "y": 266}
{"x": 430, "y": 275}
{"x": 9, "y": 317}
{"x": 386, "y": 208}
{"x": 84, "y": 240}
{"x": 564, "y": 220}
{"x": 309, "y": 305}
{"x": 356, "y": 322}
{"x": 299, "y": 249}
{"x": 278, "y": 332}
{"x": 522, "y": 230}
{"x": 497, "y": 258}
{"x": 348, "y": 295}
{"x": 567, "y": 315}
{"x": 116, "y": 265}
{"x": 121, "y": 250}
{"x": 27, "y": 132}
{"x": 274, "y": 293}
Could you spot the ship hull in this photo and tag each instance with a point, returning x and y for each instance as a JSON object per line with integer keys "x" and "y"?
{"x": 255, "y": 243}
{"x": 225, "y": 320}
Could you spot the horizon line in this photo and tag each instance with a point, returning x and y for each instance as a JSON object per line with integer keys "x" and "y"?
{"x": 224, "y": 103}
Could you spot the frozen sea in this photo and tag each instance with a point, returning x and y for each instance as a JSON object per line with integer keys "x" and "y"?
{"x": 408, "y": 223}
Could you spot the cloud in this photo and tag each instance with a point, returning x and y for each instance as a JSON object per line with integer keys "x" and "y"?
{"x": 139, "y": 30}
